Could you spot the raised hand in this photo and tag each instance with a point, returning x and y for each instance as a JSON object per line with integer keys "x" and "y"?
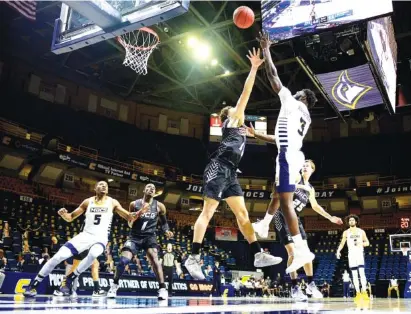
{"x": 62, "y": 212}
{"x": 169, "y": 234}
{"x": 264, "y": 40}
{"x": 255, "y": 58}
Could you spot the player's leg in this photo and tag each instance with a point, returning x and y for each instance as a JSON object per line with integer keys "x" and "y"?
{"x": 288, "y": 166}
{"x": 214, "y": 179}
{"x": 261, "y": 227}
{"x": 363, "y": 279}
{"x": 127, "y": 252}
{"x": 94, "y": 251}
{"x": 152, "y": 256}
{"x": 76, "y": 261}
{"x": 352, "y": 263}
{"x": 237, "y": 205}
{"x": 64, "y": 253}
{"x": 95, "y": 269}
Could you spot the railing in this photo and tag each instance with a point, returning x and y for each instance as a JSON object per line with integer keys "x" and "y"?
{"x": 20, "y": 132}
{"x": 381, "y": 181}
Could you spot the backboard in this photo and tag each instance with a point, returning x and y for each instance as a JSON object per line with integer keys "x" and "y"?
{"x": 83, "y": 23}
{"x": 399, "y": 241}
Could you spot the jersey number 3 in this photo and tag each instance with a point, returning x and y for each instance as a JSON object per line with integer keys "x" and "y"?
{"x": 302, "y": 128}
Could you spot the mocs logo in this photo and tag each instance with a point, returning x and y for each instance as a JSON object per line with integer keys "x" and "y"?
{"x": 21, "y": 285}
{"x": 347, "y": 92}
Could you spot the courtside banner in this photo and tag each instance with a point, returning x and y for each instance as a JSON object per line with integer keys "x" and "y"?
{"x": 16, "y": 282}
{"x": 385, "y": 190}
{"x": 352, "y": 88}
{"x": 109, "y": 169}
{"x": 226, "y": 234}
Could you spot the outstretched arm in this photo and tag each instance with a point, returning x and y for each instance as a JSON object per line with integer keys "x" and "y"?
{"x": 120, "y": 210}
{"x": 316, "y": 207}
{"x": 256, "y": 61}
{"x": 69, "y": 217}
{"x": 272, "y": 73}
{"x": 343, "y": 240}
{"x": 266, "y": 138}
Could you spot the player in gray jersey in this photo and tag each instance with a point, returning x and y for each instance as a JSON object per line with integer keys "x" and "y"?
{"x": 143, "y": 235}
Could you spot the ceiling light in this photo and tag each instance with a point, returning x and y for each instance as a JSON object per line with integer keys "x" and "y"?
{"x": 191, "y": 42}
{"x": 202, "y": 51}
{"x": 226, "y": 72}
{"x": 110, "y": 180}
{"x": 214, "y": 62}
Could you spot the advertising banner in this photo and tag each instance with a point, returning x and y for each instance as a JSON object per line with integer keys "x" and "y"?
{"x": 226, "y": 234}
{"x": 16, "y": 282}
{"x": 20, "y": 143}
{"x": 385, "y": 190}
{"x": 111, "y": 170}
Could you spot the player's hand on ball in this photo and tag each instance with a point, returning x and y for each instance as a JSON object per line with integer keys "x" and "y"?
{"x": 250, "y": 130}
{"x": 336, "y": 220}
{"x": 264, "y": 40}
{"x": 338, "y": 255}
{"x": 254, "y": 57}
{"x": 169, "y": 234}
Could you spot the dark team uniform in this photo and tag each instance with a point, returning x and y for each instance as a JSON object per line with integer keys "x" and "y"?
{"x": 220, "y": 176}
{"x": 300, "y": 201}
{"x": 143, "y": 234}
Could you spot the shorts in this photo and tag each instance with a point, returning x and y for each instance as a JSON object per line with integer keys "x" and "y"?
{"x": 81, "y": 256}
{"x": 134, "y": 244}
{"x": 355, "y": 259}
{"x": 220, "y": 181}
{"x": 83, "y": 242}
{"x": 288, "y": 166}
{"x": 282, "y": 230}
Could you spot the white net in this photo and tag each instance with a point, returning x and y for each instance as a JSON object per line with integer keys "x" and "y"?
{"x": 138, "y": 45}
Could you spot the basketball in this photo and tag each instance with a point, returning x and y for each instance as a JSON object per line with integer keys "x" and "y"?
{"x": 243, "y": 17}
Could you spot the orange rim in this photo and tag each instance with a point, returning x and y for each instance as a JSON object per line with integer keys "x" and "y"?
{"x": 144, "y": 29}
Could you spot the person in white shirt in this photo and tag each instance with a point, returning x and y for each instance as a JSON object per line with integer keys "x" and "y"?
{"x": 292, "y": 126}
{"x": 346, "y": 284}
{"x": 356, "y": 241}
{"x": 393, "y": 285}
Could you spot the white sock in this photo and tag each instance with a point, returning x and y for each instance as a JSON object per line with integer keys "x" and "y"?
{"x": 298, "y": 240}
{"x": 268, "y": 218}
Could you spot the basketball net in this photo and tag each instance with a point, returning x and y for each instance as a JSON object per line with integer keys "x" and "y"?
{"x": 139, "y": 45}
{"x": 405, "y": 250}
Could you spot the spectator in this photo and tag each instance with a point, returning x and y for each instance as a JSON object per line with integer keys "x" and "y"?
{"x": 217, "y": 279}
{"x": 44, "y": 259}
{"x": 393, "y": 285}
{"x": 303, "y": 285}
{"x": 325, "y": 289}
{"x": 109, "y": 264}
{"x": 236, "y": 283}
{"x": 346, "y": 284}
{"x": 3, "y": 264}
{"x": 20, "y": 262}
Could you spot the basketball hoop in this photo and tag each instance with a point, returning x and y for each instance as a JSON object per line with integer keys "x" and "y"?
{"x": 138, "y": 45}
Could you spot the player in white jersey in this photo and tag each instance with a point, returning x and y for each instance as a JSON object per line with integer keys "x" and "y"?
{"x": 356, "y": 241}
{"x": 292, "y": 126}
{"x": 99, "y": 212}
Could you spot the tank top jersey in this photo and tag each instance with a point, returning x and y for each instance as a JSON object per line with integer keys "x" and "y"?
{"x": 355, "y": 241}
{"x": 292, "y": 123}
{"x": 146, "y": 225}
{"x": 98, "y": 218}
{"x": 301, "y": 197}
{"x": 232, "y": 145}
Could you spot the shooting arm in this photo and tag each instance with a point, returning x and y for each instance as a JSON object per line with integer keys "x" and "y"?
{"x": 163, "y": 218}
{"x": 272, "y": 73}
{"x": 245, "y": 95}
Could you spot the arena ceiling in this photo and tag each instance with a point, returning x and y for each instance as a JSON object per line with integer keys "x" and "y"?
{"x": 175, "y": 79}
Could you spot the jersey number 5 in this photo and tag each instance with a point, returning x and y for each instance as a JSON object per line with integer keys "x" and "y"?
{"x": 303, "y": 124}
{"x": 97, "y": 219}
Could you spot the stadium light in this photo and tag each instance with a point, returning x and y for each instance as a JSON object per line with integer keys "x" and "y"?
{"x": 214, "y": 62}
{"x": 110, "y": 180}
{"x": 191, "y": 42}
{"x": 226, "y": 72}
{"x": 202, "y": 51}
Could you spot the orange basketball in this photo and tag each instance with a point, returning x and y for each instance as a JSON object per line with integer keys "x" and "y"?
{"x": 243, "y": 17}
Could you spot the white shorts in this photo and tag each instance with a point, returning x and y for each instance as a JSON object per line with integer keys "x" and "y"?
{"x": 356, "y": 259}
{"x": 84, "y": 241}
{"x": 288, "y": 166}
